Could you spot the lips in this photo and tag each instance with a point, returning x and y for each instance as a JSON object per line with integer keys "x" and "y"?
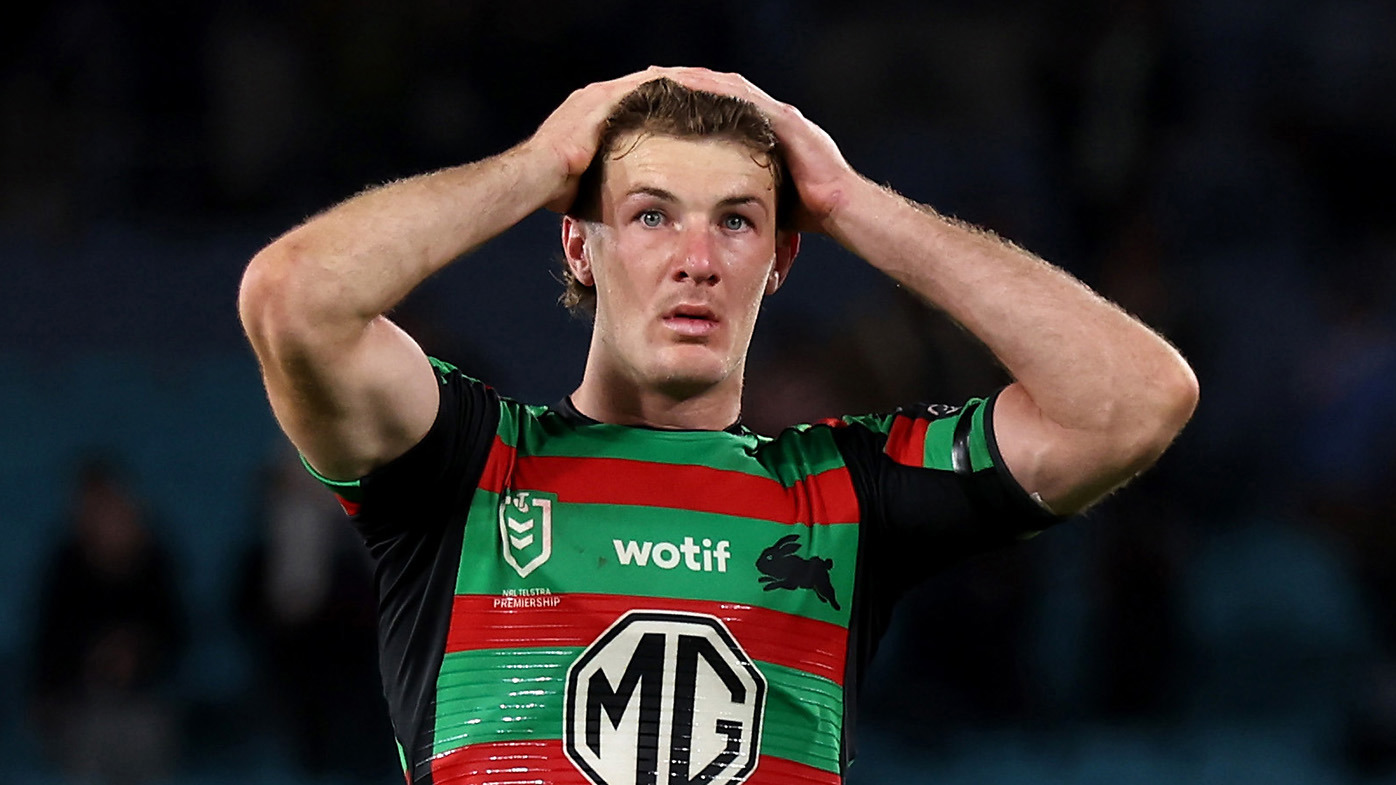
{"x": 691, "y": 320}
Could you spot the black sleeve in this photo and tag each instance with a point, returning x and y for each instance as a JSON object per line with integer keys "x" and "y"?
{"x": 932, "y": 490}
{"x": 418, "y": 489}
{"x": 411, "y": 514}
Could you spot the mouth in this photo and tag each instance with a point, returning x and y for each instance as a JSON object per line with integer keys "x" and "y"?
{"x": 691, "y": 320}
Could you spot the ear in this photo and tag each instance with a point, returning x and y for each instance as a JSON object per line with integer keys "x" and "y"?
{"x": 574, "y": 247}
{"x": 787, "y": 247}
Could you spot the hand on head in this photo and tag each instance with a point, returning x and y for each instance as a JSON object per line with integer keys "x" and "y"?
{"x": 821, "y": 174}
{"x": 573, "y": 130}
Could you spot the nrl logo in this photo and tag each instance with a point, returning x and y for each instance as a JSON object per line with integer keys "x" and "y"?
{"x": 526, "y": 529}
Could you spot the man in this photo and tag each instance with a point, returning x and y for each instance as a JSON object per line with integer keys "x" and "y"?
{"x": 629, "y": 587}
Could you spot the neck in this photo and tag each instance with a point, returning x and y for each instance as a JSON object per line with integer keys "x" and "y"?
{"x": 613, "y": 398}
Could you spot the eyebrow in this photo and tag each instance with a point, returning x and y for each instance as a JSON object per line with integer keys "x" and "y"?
{"x": 736, "y": 201}
{"x": 660, "y": 193}
{"x": 649, "y": 190}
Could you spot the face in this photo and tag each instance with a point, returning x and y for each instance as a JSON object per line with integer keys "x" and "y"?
{"x": 685, "y": 250}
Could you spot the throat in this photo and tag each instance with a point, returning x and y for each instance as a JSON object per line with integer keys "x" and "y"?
{"x": 664, "y": 407}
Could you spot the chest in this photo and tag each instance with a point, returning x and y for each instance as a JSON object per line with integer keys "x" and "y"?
{"x": 544, "y": 524}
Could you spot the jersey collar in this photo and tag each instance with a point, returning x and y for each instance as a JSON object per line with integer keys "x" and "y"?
{"x": 572, "y": 416}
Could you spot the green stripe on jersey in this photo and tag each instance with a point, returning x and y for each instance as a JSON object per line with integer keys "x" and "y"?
{"x": 940, "y": 435}
{"x": 545, "y": 433}
{"x": 351, "y": 490}
{"x": 812, "y": 712}
{"x": 877, "y": 423}
{"x": 511, "y": 413}
{"x": 940, "y": 439}
{"x": 444, "y": 368}
{"x": 979, "y": 456}
{"x": 627, "y": 550}
{"x": 502, "y": 695}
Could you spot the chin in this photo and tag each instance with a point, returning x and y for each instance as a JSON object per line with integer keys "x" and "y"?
{"x": 692, "y": 369}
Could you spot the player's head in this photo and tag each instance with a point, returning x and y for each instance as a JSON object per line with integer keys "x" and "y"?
{"x": 680, "y": 228}
{"x": 666, "y": 108}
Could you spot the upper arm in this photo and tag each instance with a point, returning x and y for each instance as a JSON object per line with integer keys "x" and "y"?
{"x": 933, "y": 489}
{"x": 349, "y": 399}
{"x": 1068, "y": 469}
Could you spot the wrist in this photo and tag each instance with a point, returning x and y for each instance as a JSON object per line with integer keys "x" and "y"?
{"x": 857, "y": 202}
{"x": 544, "y": 166}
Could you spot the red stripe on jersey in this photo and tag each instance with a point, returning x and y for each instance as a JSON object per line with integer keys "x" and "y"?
{"x": 507, "y": 763}
{"x": 779, "y": 771}
{"x": 498, "y": 466}
{"x": 826, "y": 497}
{"x": 478, "y": 621}
{"x": 503, "y": 762}
{"x": 906, "y": 442}
{"x": 350, "y": 508}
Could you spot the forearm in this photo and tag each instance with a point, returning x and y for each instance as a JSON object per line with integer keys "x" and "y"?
{"x": 1086, "y": 364}
{"x": 1097, "y": 395}
{"x": 344, "y": 267}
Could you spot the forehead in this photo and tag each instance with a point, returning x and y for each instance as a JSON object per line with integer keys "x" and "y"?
{"x": 697, "y": 169}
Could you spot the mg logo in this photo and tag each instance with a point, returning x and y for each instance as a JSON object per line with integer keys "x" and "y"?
{"x": 526, "y": 529}
{"x": 664, "y": 699}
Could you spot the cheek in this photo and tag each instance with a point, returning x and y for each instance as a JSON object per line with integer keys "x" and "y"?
{"x": 621, "y": 292}
{"x": 636, "y": 258}
{"x": 755, "y": 265}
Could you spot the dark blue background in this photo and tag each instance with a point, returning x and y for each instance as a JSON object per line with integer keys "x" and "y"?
{"x": 1222, "y": 169}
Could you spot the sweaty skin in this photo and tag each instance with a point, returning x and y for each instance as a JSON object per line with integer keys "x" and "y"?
{"x": 1097, "y": 395}
{"x": 685, "y": 250}
{"x": 350, "y": 389}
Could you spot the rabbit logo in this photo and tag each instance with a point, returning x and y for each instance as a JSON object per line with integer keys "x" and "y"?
{"x": 782, "y": 569}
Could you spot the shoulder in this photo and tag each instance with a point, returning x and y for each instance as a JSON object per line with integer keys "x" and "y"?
{"x": 453, "y": 450}
{"x": 948, "y": 447}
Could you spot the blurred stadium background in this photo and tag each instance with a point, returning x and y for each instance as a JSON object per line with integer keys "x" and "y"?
{"x": 1223, "y": 169}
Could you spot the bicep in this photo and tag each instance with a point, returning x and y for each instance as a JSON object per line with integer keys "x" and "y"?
{"x": 1066, "y": 469}
{"x": 353, "y": 406}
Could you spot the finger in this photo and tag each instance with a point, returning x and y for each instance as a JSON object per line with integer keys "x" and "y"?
{"x": 631, "y": 80}
{"x": 708, "y": 81}
{"x": 639, "y": 77}
{"x": 732, "y": 84}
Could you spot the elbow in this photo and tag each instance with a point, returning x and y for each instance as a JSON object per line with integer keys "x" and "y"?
{"x": 1179, "y": 396}
{"x": 263, "y": 298}
{"x": 1166, "y": 411}
{"x": 281, "y": 306}
{"x": 1187, "y": 392}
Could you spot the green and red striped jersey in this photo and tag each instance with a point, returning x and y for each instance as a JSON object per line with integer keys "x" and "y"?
{"x": 567, "y": 601}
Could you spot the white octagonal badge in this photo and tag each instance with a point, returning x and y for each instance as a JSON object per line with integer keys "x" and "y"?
{"x": 665, "y": 698}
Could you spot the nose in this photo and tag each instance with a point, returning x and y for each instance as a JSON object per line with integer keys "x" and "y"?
{"x": 697, "y": 256}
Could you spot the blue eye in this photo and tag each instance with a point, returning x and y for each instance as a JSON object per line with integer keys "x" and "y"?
{"x": 651, "y": 218}
{"x": 735, "y": 223}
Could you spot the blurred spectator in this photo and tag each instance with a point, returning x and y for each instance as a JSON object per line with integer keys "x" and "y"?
{"x": 110, "y": 634}
{"x": 305, "y": 603}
